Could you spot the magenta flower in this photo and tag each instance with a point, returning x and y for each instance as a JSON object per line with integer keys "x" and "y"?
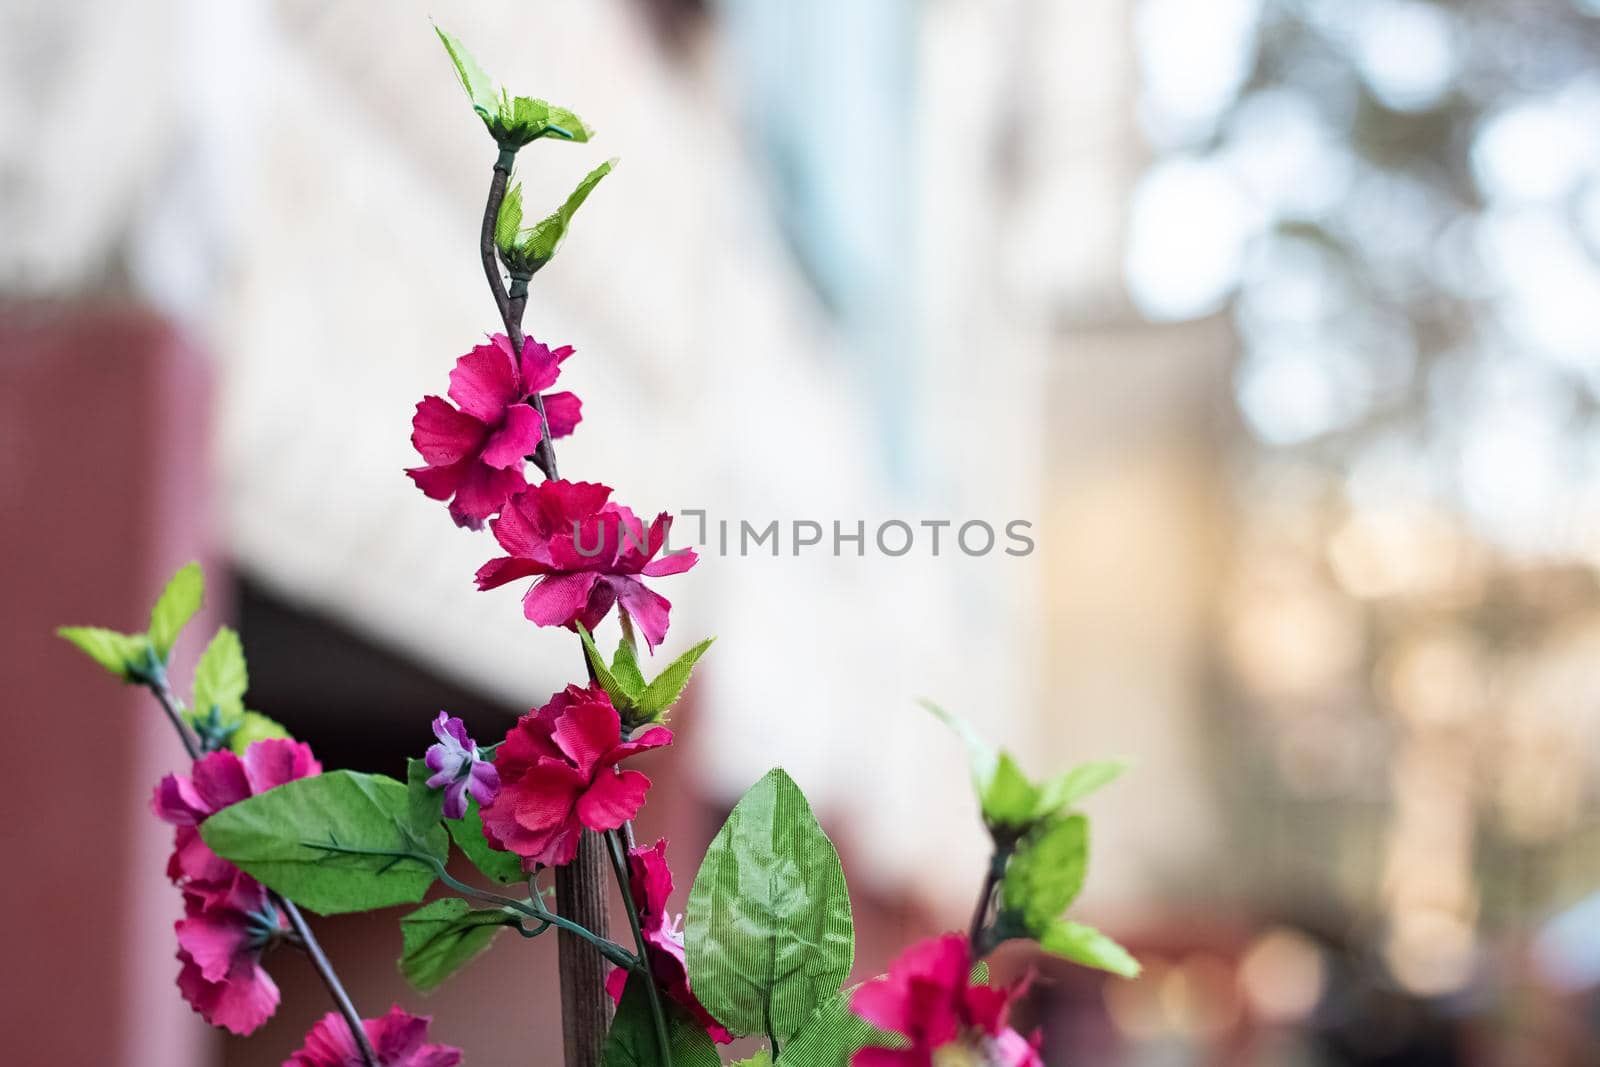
{"x": 458, "y": 768}
{"x": 220, "y": 942}
{"x": 218, "y": 780}
{"x": 397, "y": 1038}
{"x": 559, "y": 774}
{"x": 651, "y": 881}
{"x": 587, "y": 554}
{"x": 927, "y": 998}
{"x": 474, "y": 451}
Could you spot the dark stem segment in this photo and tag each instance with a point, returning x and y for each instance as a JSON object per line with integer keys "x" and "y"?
{"x": 658, "y": 1014}
{"x": 581, "y": 884}
{"x": 307, "y": 940}
{"x": 978, "y": 935}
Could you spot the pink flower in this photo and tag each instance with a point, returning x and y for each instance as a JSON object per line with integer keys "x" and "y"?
{"x": 218, "y": 780}
{"x": 587, "y": 554}
{"x": 458, "y": 767}
{"x": 927, "y": 999}
{"x": 397, "y": 1038}
{"x": 474, "y": 452}
{"x": 559, "y": 774}
{"x": 220, "y": 942}
{"x": 651, "y": 882}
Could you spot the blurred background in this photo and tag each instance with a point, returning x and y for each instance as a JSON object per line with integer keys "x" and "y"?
{"x": 1276, "y": 319}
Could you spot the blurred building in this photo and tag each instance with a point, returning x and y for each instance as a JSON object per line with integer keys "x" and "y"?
{"x": 1270, "y": 318}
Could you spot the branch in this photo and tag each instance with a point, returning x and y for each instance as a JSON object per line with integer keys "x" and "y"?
{"x": 580, "y": 885}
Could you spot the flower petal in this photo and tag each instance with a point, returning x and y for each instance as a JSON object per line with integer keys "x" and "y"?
{"x": 443, "y": 435}
{"x": 564, "y": 410}
{"x": 587, "y": 733}
{"x": 648, "y": 609}
{"x": 483, "y": 492}
{"x": 558, "y": 599}
{"x": 672, "y": 563}
{"x": 440, "y": 483}
{"x": 540, "y": 367}
{"x": 485, "y": 381}
{"x": 272, "y": 762}
{"x": 515, "y": 440}
{"x": 613, "y": 799}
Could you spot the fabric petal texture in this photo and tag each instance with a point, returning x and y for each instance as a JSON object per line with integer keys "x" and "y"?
{"x": 589, "y": 554}
{"x": 558, "y": 776}
{"x": 928, "y": 1000}
{"x": 474, "y": 451}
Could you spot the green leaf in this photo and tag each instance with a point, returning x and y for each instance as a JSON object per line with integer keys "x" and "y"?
{"x": 833, "y": 1033}
{"x": 174, "y": 608}
{"x": 335, "y": 843}
{"x": 602, "y": 670}
{"x": 632, "y": 1041}
{"x": 1067, "y": 789}
{"x": 662, "y": 693}
{"x": 424, "y": 805}
{"x": 441, "y": 937}
{"x": 625, "y": 667}
{"x": 498, "y": 866}
{"x": 220, "y": 678}
{"x": 769, "y": 929}
{"x": 1047, "y": 872}
{"x": 508, "y": 223}
{"x": 480, "y": 88}
{"x": 1088, "y": 946}
{"x": 524, "y": 119}
{"x": 762, "y": 1058}
{"x": 981, "y": 755}
{"x": 1009, "y": 801}
{"x": 252, "y": 727}
{"x": 539, "y": 244}
{"x": 124, "y": 655}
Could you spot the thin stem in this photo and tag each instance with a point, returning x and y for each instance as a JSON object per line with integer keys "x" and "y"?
{"x": 162, "y": 690}
{"x": 330, "y": 978}
{"x": 306, "y": 940}
{"x": 658, "y": 1013}
{"x": 978, "y": 932}
{"x": 491, "y": 212}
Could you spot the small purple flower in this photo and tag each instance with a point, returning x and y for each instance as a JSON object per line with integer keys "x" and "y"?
{"x": 459, "y": 768}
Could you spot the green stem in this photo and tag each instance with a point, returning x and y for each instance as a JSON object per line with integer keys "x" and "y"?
{"x": 533, "y": 908}
{"x": 658, "y": 1013}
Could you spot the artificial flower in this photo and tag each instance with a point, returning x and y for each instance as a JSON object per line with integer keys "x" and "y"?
{"x": 559, "y": 774}
{"x": 458, "y": 767}
{"x": 474, "y": 451}
{"x": 398, "y": 1039}
{"x": 650, "y": 880}
{"x": 220, "y": 943}
{"x": 587, "y": 554}
{"x": 216, "y": 781}
{"x": 928, "y": 998}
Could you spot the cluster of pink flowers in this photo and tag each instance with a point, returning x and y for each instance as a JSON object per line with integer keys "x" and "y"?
{"x": 229, "y": 921}
{"x": 585, "y": 552}
{"x": 559, "y": 774}
{"x": 929, "y": 999}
